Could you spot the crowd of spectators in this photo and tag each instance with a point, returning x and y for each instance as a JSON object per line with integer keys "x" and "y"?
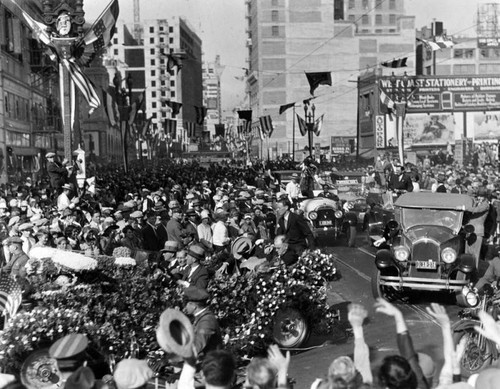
{"x": 176, "y": 211}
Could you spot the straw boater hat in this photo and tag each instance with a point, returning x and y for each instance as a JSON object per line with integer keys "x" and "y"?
{"x": 241, "y": 247}
{"x": 175, "y": 333}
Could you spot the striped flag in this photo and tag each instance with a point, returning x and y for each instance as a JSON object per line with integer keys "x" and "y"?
{"x": 110, "y": 107}
{"x": 83, "y": 83}
{"x": 444, "y": 42}
{"x": 302, "y": 125}
{"x": 396, "y": 63}
{"x": 174, "y": 106}
{"x": 136, "y": 107}
{"x": 170, "y": 127}
{"x": 11, "y": 295}
{"x": 440, "y": 42}
{"x": 266, "y": 125}
{"x": 145, "y": 128}
{"x": 103, "y": 29}
{"x": 318, "y": 124}
{"x": 386, "y": 100}
{"x": 39, "y": 29}
{"x": 191, "y": 129}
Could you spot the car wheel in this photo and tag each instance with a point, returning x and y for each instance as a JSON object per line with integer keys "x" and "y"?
{"x": 386, "y": 292}
{"x": 290, "y": 328}
{"x": 477, "y": 353}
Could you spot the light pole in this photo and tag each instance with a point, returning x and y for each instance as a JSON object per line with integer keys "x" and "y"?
{"x": 309, "y": 110}
{"x": 123, "y": 99}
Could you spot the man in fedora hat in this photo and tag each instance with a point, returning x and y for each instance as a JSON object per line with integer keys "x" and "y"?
{"x": 63, "y": 200}
{"x": 58, "y": 173}
{"x": 152, "y": 238}
{"x": 207, "y": 333}
{"x": 195, "y": 273}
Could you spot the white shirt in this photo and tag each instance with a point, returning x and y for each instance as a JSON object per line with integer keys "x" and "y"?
{"x": 293, "y": 190}
{"x": 220, "y": 235}
{"x": 63, "y": 202}
{"x": 204, "y": 232}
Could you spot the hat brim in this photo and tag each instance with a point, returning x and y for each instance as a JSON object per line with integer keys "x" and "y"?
{"x": 175, "y": 333}
{"x": 240, "y": 243}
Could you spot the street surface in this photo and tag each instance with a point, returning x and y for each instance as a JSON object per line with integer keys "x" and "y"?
{"x": 356, "y": 266}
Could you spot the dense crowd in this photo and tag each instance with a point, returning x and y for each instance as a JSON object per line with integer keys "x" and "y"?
{"x": 175, "y": 213}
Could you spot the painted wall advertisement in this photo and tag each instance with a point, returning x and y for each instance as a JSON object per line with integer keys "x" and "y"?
{"x": 434, "y": 129}
{"x": 485, "y": 125}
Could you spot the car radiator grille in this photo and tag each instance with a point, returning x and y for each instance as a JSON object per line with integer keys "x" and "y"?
{"x": 423, "y": 251}
{"x": 324, "y": 216}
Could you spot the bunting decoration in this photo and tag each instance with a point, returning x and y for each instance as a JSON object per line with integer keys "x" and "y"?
{"x": 302, "y": 125}
{"x": 245, "y": 115}
{"x": 83, "y": 83}
{"x": 395, "y": 63}
{"x": 136, "y": 107}
{"x": 174, "y": 106}
{"x": 283, "y": 108}
{"x": 145, "y": 128}
{"x": 39, "y": 29}
{"x": 201, "y": 112}
{"x": 170, "y": 127}
{"x": 172, "y": 62}
{"x": 190, "y": 129}
{"x": 11, "y": 296}
{"x": 318, "y": 124}
{"x": 317, "y": 79}
{"x": 266, "y": 125}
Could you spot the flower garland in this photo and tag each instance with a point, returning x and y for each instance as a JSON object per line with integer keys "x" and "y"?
{"x": 125, "y": 261}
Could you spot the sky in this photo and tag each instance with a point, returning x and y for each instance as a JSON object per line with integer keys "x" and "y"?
{"x": 221, "y": 26}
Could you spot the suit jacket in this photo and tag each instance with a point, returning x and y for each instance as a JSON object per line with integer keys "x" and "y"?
{"x": 297, "y": 230}
{"x": 58, "y": 174}
{"x": 150, "y": 238}
{"x": 397, "y": 183}
{"x": 199, "y": 278}
{"x": 207, "y": 334}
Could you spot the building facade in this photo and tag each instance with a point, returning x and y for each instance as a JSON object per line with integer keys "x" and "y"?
{"x": 288, "y": 38}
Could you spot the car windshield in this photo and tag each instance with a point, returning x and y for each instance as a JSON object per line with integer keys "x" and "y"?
{"x": 436, "y": 217}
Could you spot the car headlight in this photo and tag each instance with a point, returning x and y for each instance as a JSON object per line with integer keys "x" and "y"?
{"x": 470, "y": 296}
{"x": 448, "y": 255}
{"x": 338, "y": 214}
{"x": 313, "y": 215}
{"x": 401, "y": 253}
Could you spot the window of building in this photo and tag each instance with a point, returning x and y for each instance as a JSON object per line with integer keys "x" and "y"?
{"x": 163, "y": 93}
{"x": 392, "y": 4}
{"x": 161, "y": 28}
{"x": 151, "y": 29}
{"x": 115, "y": 51}
{"x": 365, "y": 4}
{"x": 172, "y": 94}
{"x": 153, "y": 94}
{"x": 172, "y": 82}
{"x": 392, "y": 30}
{"x": 152, "y": 40}
{"x": 163, "y": 83}
{"x": 153, "y": 83}
{"x": 378, "y": 31}
{"x": 274, "y": 16}
{"x": 275, "y": 31}
{"x": 170, "y": 29}
{"x": 392, "y": 19}
{"x": 490, "y": 53}
{"x": 464, "y": 69}
{"x": 463, "y": 53}
{"x": 352, "y": 4}
{"x": 153, "y": 62}
{"x": 153, "y": 73}
{"x": 153, "y": 104}
{"x": 163, "y": 114}
{"x": 152, "y": 51}
{"x": 365, "y": 31}
{"x": 162, "y": 39}
{"x": 489, "y": 68}
{"x": 115, "y": 41}
{"x": 365, "y": 19}
{"x": 378, "y": 3}
{"x": 378, "y": 19}
{"x": 154, "y": 115}
{"x": 171, "y": 41}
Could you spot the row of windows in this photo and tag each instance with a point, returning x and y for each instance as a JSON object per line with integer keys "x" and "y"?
{"x": 152, "y": 29}
{"x": 379, "y": 19}
{"x": 17, "y": 107}
{"x": 366, "y": 4}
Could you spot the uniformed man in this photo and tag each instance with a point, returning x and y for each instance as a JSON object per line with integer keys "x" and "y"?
{"x": 18, "y": 258}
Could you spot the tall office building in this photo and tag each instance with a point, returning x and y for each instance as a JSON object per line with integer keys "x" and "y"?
{"x": 147, "y": 61}
{"x": 212, "y": 72}
{"x": 288, "y": 38}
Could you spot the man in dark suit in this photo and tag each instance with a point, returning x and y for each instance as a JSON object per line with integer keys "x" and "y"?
{"x": 399, "y": 181}
{"x": 58, "y": 173}
{"x": 295, "y": 229}
{"x": 207, "y": 333}
{"x": 195, "y": 273}
{"x": 150, "y": 234}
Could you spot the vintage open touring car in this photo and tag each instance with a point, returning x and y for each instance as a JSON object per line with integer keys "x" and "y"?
{"x": 425, "y": 237}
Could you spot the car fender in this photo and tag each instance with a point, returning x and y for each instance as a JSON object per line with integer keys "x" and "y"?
{"x": 351, "y": 218}
{"x": 463, "y": 325}
{"x": 384, "y": 259}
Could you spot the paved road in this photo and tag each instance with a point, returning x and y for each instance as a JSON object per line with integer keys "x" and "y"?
{"x": 356, "y": 266}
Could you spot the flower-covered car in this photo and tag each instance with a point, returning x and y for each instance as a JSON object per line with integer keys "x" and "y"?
{"x": 422, "y": 246}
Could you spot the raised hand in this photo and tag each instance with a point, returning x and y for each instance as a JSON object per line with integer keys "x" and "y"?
{"x": 356, "y": 315}
{"x": 385, "y": 307}
{"x": 490, "y": 328}
{"x": 438, "y": 312}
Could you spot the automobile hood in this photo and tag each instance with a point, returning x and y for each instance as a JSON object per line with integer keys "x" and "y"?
{"x": 437, "y": 233}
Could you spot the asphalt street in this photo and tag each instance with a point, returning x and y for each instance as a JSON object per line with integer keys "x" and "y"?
{"x": 356, "y": 266}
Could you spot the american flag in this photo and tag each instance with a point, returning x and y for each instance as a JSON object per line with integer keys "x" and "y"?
{"x": 11, "y": 295}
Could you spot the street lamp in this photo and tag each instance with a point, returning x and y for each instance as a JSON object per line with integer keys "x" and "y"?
{"x": 309, "y": 110}
{"x": 123, "y": 99}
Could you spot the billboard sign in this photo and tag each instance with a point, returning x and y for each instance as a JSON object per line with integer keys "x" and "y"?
{"x": 442, "y": 93}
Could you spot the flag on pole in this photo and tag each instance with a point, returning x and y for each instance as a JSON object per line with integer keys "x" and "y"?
{"x": 440, "y": 42}
{"x": 283, "y": 108}
{"x": 245, "y": 115}
{"x": 170, "y": 127}
{"x": 317, "y": 79}
{"x": 110, "y": 107}
{"x": 260, "y": 131}
{"x": 386, "y": 100}
{"x": 201, "y": 112}
{"x": 103, "y": 29}
{"x": 191, "y": 129}
{"x": 302, "y": 125}
{"x": 173, "y": 61}
{"x": 11, "y": 295}
{"x": 266, "y": 125}
{"x": 145, "y": 128}
{"x": 175, "y": 106}
{"x": 83, "y": 83}
{"x": 136, "y": 107}
{"x": 395, "y": 63}
{"x": 318, "y": 124}
{"x": 39, "y": 29}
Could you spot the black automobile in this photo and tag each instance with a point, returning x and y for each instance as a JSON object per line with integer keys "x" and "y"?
{"x": 424, "y": 246}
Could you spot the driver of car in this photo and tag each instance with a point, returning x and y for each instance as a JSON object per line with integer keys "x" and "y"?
{"x": 327, "y": 194}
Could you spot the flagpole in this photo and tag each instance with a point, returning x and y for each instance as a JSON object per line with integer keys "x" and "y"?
{"x": 293, "y": 135}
